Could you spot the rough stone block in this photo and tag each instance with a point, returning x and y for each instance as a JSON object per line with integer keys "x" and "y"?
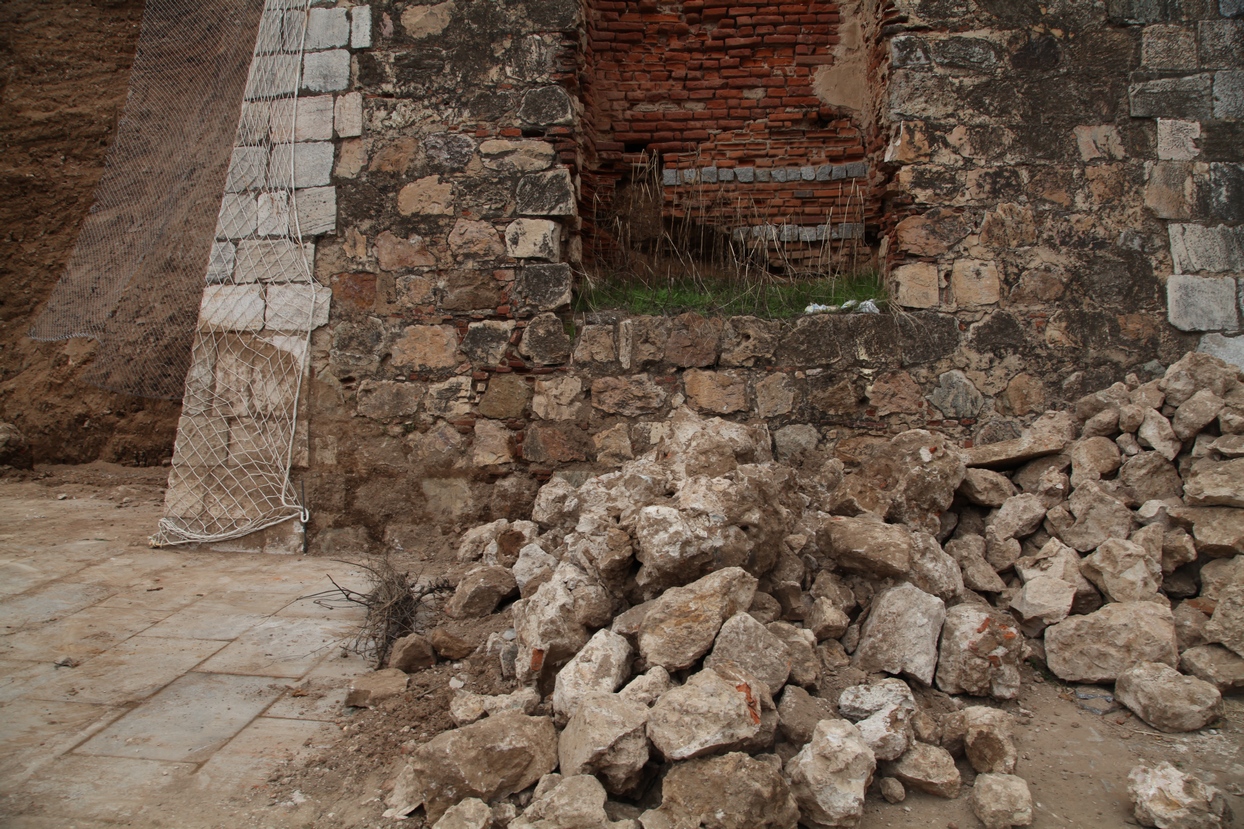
{"x": 308, "y": 119}
{"x": 239, "y": 215}
{"x": 360, "y": 27}
{"x": 311, "y": 164}
{"x": 427, "y": 347}
{"x": 917, "y": 285}
{"x": 546, "y": 194}
{"x": 1175, "y": 190}
{"x": 1221, "y": 43}
{"x": 1229, "y": 95}
{"x": 232, "y": 308}
{"x": 1196, "y": 303}
{"x": 719, "y": 392}
{"x": 542, "y": 287}
{"x": 974, "y": 282}
{"x": 326, "y": 29}
{"x": 1226, "y": 192}
{"x": 272, "y": 213}
{"x": 1186, "y": 98}
{"x": 1168, "y": 47}
{"x": 316, "y": 210}
{"x": 274, "y": 76}
{"x": 428, "y": 196}
{"x": 533, "y": 239}
{"x": 546, "y": 107}
{"x": 1196, "y": 248}
{"x": 1133, "y": 12}
{"x": 1227, "y": 349}
{"x": 220, "y": 262}
{"x": 326, "y": 71}
{"x": 202, "y": 440}
{"x": 248, "y": 168}
{"x": 349, "y": 115}
{"x": 909, "y": 51}
{"x": 1177, "y": 140}
{"x": 1231, "y": 8}
{"x": 272, "y": 260}
{"x": 295, "y": 307}
{"x": 386, "y": 400}
{"x": 486, "y": 342}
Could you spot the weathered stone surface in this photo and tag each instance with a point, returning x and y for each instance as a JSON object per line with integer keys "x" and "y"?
{"x": 1018, "y": 517}
{"x": 549, "y": 193}
{"x": 1195, "y": 413}
{"x": 683, "y": 623}
{"x": 1050, "y": 434}
{"x": 575, "y": 802}
{"x": 1001, "y": 801}
{"x": 980, "y": 653}
{"x": 733, "y": 791}
{"x": 1098, "y": 516}
{"x": 933, "y": 571}
{"x": 425, "y": 347}
{"x": 805, "y": 664}
{"x": 488, "y": 759}
{"x": 368, "y": 689}
{"x": 892, "y": 790}
{"x": 1124, "y": 571}
{"x": 1102, "y": 645}
{"x": 428, "y": 196}
{"x": 627, "y": 396}
{"x": 745, "y": 642}
{"x": 693, "y": 341}
{"x": 467, "y": 707}
{"x": 901, "y": 632}
{"x": 987, "y": 488}
{"x": 471, "y": 813}
{"x": 1057, "y": 560}
{"x": 1041, "y": 602}
{"x": 412, "y": 653}
{"x": 395, "y": 254}
{"x": 1156, "y": 432}
{"x": 1196, "y": 371}
{"x": 648, "y": 688}
{"x": 707, "y": 715}
{"x": 1166, "y": 699}
{"x": 956, "y": 396}
{"x": 1215, "y": 484}
{"x": 1151, "y": 477}
{"x": 975, "y": 282}
{"x": 917, "y": 285}
{"x": 533, "y": 239}
{"x": 602, "y": 666}
{"x": 552, "y": 624}
{"x": 480, "y": 591}
{"x": 826, "y": 620}
{"x": 607, "y": 736}
{"x": 969, "y": 552}
{"x": 932, "y": 233}
{"x": 799, "y": 712}
{"x": 1216, "y": 665}
{"x": 830, "y": 775}
{"x": 719, "y": 392}
{"x": 1218, "y": 532}
{"x": 867, "y": 546}
{"x": 506, "y": 397}
{"x": 1165, "y": 797}
{"x": 988, "y": 740}
{"x": 1226, "y": 626}
{"x": 929, "y": 769}
{"x": 545, "y": 340}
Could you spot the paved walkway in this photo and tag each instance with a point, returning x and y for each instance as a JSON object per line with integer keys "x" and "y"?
{"x": 128, "y": 673}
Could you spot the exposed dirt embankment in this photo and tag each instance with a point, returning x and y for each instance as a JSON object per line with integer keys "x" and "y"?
{"x": 64, "y": 69}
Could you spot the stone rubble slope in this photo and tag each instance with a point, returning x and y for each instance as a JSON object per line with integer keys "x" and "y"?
{"x": 711, "y": 637}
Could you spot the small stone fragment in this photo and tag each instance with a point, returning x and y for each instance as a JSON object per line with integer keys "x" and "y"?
{"x": 930, "y": 769}
{"x": 1002, "y": 801}
{"x": 368, "y": 689}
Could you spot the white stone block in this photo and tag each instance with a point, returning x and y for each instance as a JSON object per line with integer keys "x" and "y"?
{"x": 313, "y": 120}
{"x": 326, "y": 29}
{"x": 295, "y": 307}
{"x": 533, "y": 239}
{"x": 248, "y": 168}
{"x": 220, "y": 263}
{"x": 274, "y": 76}
{"x": 238, "y": 216}
{"x": 1228, "y": 349}
{"x": 1198, "y": 303}
{"x": 232, "y": 308}
{"x": 350, "y": 115}
{"x": 360, "y": 27}
{"x": 253, "y": 123}
{"x": 273, "y": 215}
{"x": 271, "y": 36}
{"x": 273, "y": 260}
{"x": 326, "y": 71}
{"x": 316, "y": 211}
{"x": 1177, "y": 140}
{"x": 1197, "y": 249}
{"x": 312, "y": 165}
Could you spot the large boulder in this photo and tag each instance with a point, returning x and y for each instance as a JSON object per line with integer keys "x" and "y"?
{"x": 1166, "y": 797}
{"x": 830, "y": 775}
{"x": 710, "y": 714}
{"x": 1166, "y": 699}
{"x": 867, "y": 545}
{"x": 753, "y": 648}
{"x": 733, "y": 791}
{"x": 575, "y": 802}
{"x": 602, "y": 666}
{"x": 901, "y": 632}
{"x": 1211, "y": 484}
{"x": 980, "y": 654}
{"x": 1216, "y": 665}
{"x": 682, "y": 624}
{"x": 489, "y": 759}
{"x": 1102, "y": 645}
{"x": 607, "y": 736}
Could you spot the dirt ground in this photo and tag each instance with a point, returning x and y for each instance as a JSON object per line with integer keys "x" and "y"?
{"x": 1075, "y": 759}
{"x": 64, "y": 70}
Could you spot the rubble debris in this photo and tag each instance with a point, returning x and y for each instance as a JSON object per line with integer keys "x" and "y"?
{"x": 1166, "y": 797}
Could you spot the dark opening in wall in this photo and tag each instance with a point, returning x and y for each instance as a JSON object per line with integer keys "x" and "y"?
{"x": 704, "y": 134}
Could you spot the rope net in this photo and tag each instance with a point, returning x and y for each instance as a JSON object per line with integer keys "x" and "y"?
{"x": 236, "y": 437}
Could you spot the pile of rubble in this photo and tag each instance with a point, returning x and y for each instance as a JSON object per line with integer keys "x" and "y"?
{"x": 708, "y": 637}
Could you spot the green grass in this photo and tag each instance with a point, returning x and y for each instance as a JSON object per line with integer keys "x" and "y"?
{"x": 774, "y": 299}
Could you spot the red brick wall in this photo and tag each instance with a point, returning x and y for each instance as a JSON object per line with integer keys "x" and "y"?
{"x": 720, "y": 91}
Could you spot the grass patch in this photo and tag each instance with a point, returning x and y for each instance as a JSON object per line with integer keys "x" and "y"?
{"x": 772, "y": 298}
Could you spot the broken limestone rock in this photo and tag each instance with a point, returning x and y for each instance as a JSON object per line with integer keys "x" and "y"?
{"x": 969, "y": 552}
{"x": 1212, "y": 484}
{"x": 888, "y": 732}
{"x": 987, "y": 740}
{"x": 1002, "y": 801}
{"x": 1059, "y": 561}
{"x": 1098, "y": 516}
{"x": 471, "y": 813}
{"x": 986, "y": 488}
{"x": 681, "y": 625}
{"x": 1018, "y": 517}
{"x": 552, "y": 625}
{"x": 932, "y": 570}
{"x": 799, "y": 712}
{"x": 866, "y": 545}
{"x": 607, "y": 736}
{"x": 708, "y": 714}
{"x": 368, "y": 689}
{"x": 489, "y": 759}
{"x": 648, "y": 687}
{"x": 753, "y": 648}
{"x": 1102, "y": 645}
{"x": 1124, "y": 571}
{"x": 466, "y": 707}
{"x": 805, "y": 664}
{"x": 412, "y": 653}
{"x": 480, "y": 591}
{"x": 1166, "y": 699}
{"x": 574, "y": 802}
{"x": 733, "y": 791}
{"x": 1216, "y": 665}
{"x": 929, "y": 769}
{"x": 826, "y": 620}
{"x": 830, "y": 775}
{"x": 1041, "y": 602}
{"x": 602, "y": 666}
{"x": 892, "y": 790}
{"x": 1165, "y": 797}
{"x": 1048, "y": 435}
{"x": 900, "y": 634}
{"x": 1226, "y": 626}
{"x": 980, "y": 653}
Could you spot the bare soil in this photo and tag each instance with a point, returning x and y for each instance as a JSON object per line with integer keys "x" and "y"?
{"x": 64, "y": 70}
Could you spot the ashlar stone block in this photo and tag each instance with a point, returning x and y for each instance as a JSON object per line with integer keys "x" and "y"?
{"x": 1229, "y": 95}
{"x": 1177, "y": 140}
{"x": 316, "y": 210}
{"x": 1196, "y": 303}
{"x": 272, "y": 215}
{"x": 275, "y": 76}
{"x": 232, "y": 308}
{"x": 273, "y": 260}
{"x": 360, "y": 27}
{"x": 239, "y": 214}
{"x": 306, "y": 164}
{"x": 220, "y": 262}
{"x": 296, "y": 307}
{"x": 248, "y": 169}
{"x": 975, "y": 282}
{"x": 1197, "y": 248}
{"x": 546, "y": 194}
{"x": 1186, "y": 98}
{"x": 301, "y": 119}
{"x": 326, "y": 71}
{"x": 326, "y": 29}
{"x": 349, "y": 115}
{"x": 917, "y": 285}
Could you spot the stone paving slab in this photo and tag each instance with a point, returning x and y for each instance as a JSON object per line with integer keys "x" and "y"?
{"x": 36, "y": 732}
{"x": 279, "y": 647}
{"x": 248, "y": 758}
{"x": 128, "y": 673}
{"x": 80, "y": 635}
{"x": 106, "y": 789}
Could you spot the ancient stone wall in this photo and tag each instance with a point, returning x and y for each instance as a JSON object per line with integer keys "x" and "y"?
{"x": 1020, "y": 161}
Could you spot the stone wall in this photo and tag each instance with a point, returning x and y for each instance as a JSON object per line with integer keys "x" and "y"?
{"x": 1019, "y": 157}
